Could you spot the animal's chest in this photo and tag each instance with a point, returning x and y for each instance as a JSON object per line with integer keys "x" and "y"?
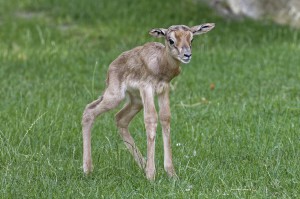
{"x": 168, "y": 74}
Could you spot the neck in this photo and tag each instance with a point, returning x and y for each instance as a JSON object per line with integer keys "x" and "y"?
{"x": 169, "y": 66}
{"x": 169, "y": 60}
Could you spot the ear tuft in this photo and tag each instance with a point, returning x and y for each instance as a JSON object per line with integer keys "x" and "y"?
{"x": 203, "y": 28}
{"x": 158, "y": 32}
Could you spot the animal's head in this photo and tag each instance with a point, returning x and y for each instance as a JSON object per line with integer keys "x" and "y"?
{"x": 178, "y": 39}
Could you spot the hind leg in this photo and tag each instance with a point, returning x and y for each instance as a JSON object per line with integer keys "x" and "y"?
{"x": 123, "y": 118}
{"x": 111, "y": 99}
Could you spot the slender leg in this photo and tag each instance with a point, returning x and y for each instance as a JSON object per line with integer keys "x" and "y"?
{"x": 150, "y": 119}
{"x": 87, "y": 122}
{"x": 123, "y": 118}
{"x": 110, "y": 100}
{"x": 165, "y": 116}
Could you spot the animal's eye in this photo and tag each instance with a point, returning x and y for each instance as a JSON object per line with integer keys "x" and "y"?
{"x": 171, "y": 42}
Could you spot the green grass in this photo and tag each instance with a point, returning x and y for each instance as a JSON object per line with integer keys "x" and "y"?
{"x": 240, "y": 140}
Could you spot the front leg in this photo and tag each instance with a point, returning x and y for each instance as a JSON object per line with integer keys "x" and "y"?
{"x": 165, "y": 117}
{"x": 150, "y": 119}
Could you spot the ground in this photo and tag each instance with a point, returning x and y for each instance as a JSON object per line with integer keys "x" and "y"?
{"x": 237, "y": 140}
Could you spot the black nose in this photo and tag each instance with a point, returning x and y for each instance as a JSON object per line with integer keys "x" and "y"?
{"x": 187, "y": 55}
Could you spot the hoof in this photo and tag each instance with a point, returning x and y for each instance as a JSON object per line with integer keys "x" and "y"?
{"x": 171, "y": 172}
{"x": 87, "y": 168}
{"x": 150, "y": 174}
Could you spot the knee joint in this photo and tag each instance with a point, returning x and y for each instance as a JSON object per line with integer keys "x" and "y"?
{"x": 150, "y": 121}
{"x": 87, "y": 117}
{"x": 151, "y": 136}
{"x": 165, "y": 119}
{"x": 120, "y": 122}
{"x": 151, "y": 125}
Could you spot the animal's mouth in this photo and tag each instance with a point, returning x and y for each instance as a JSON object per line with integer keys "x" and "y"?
{"x": 185, "y": 60}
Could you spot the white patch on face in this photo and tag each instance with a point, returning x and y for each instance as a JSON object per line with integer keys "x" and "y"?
{"x": 173, "y": 48}
{"x": 172, "y": 35}
{"x": 185, "y": 61}
{"x": 173, "y": 38}
{"x": 183, "y": 58}
{"x": 191, "y": 38}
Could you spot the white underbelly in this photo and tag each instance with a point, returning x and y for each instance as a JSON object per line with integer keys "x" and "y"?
{"x": 158, "y": 87}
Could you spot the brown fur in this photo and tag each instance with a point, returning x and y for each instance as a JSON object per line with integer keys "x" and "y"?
{"x": 142, "y": 73}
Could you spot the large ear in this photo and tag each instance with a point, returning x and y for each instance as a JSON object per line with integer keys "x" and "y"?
{"x": 203, "y": 28}
{"x": 158, "y": 32}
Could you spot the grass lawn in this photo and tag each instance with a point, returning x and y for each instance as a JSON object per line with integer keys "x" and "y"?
{"x": 238, "y": 140}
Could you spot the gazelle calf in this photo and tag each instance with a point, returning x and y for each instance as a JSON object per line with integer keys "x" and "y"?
{"x": 140, "y": 74}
